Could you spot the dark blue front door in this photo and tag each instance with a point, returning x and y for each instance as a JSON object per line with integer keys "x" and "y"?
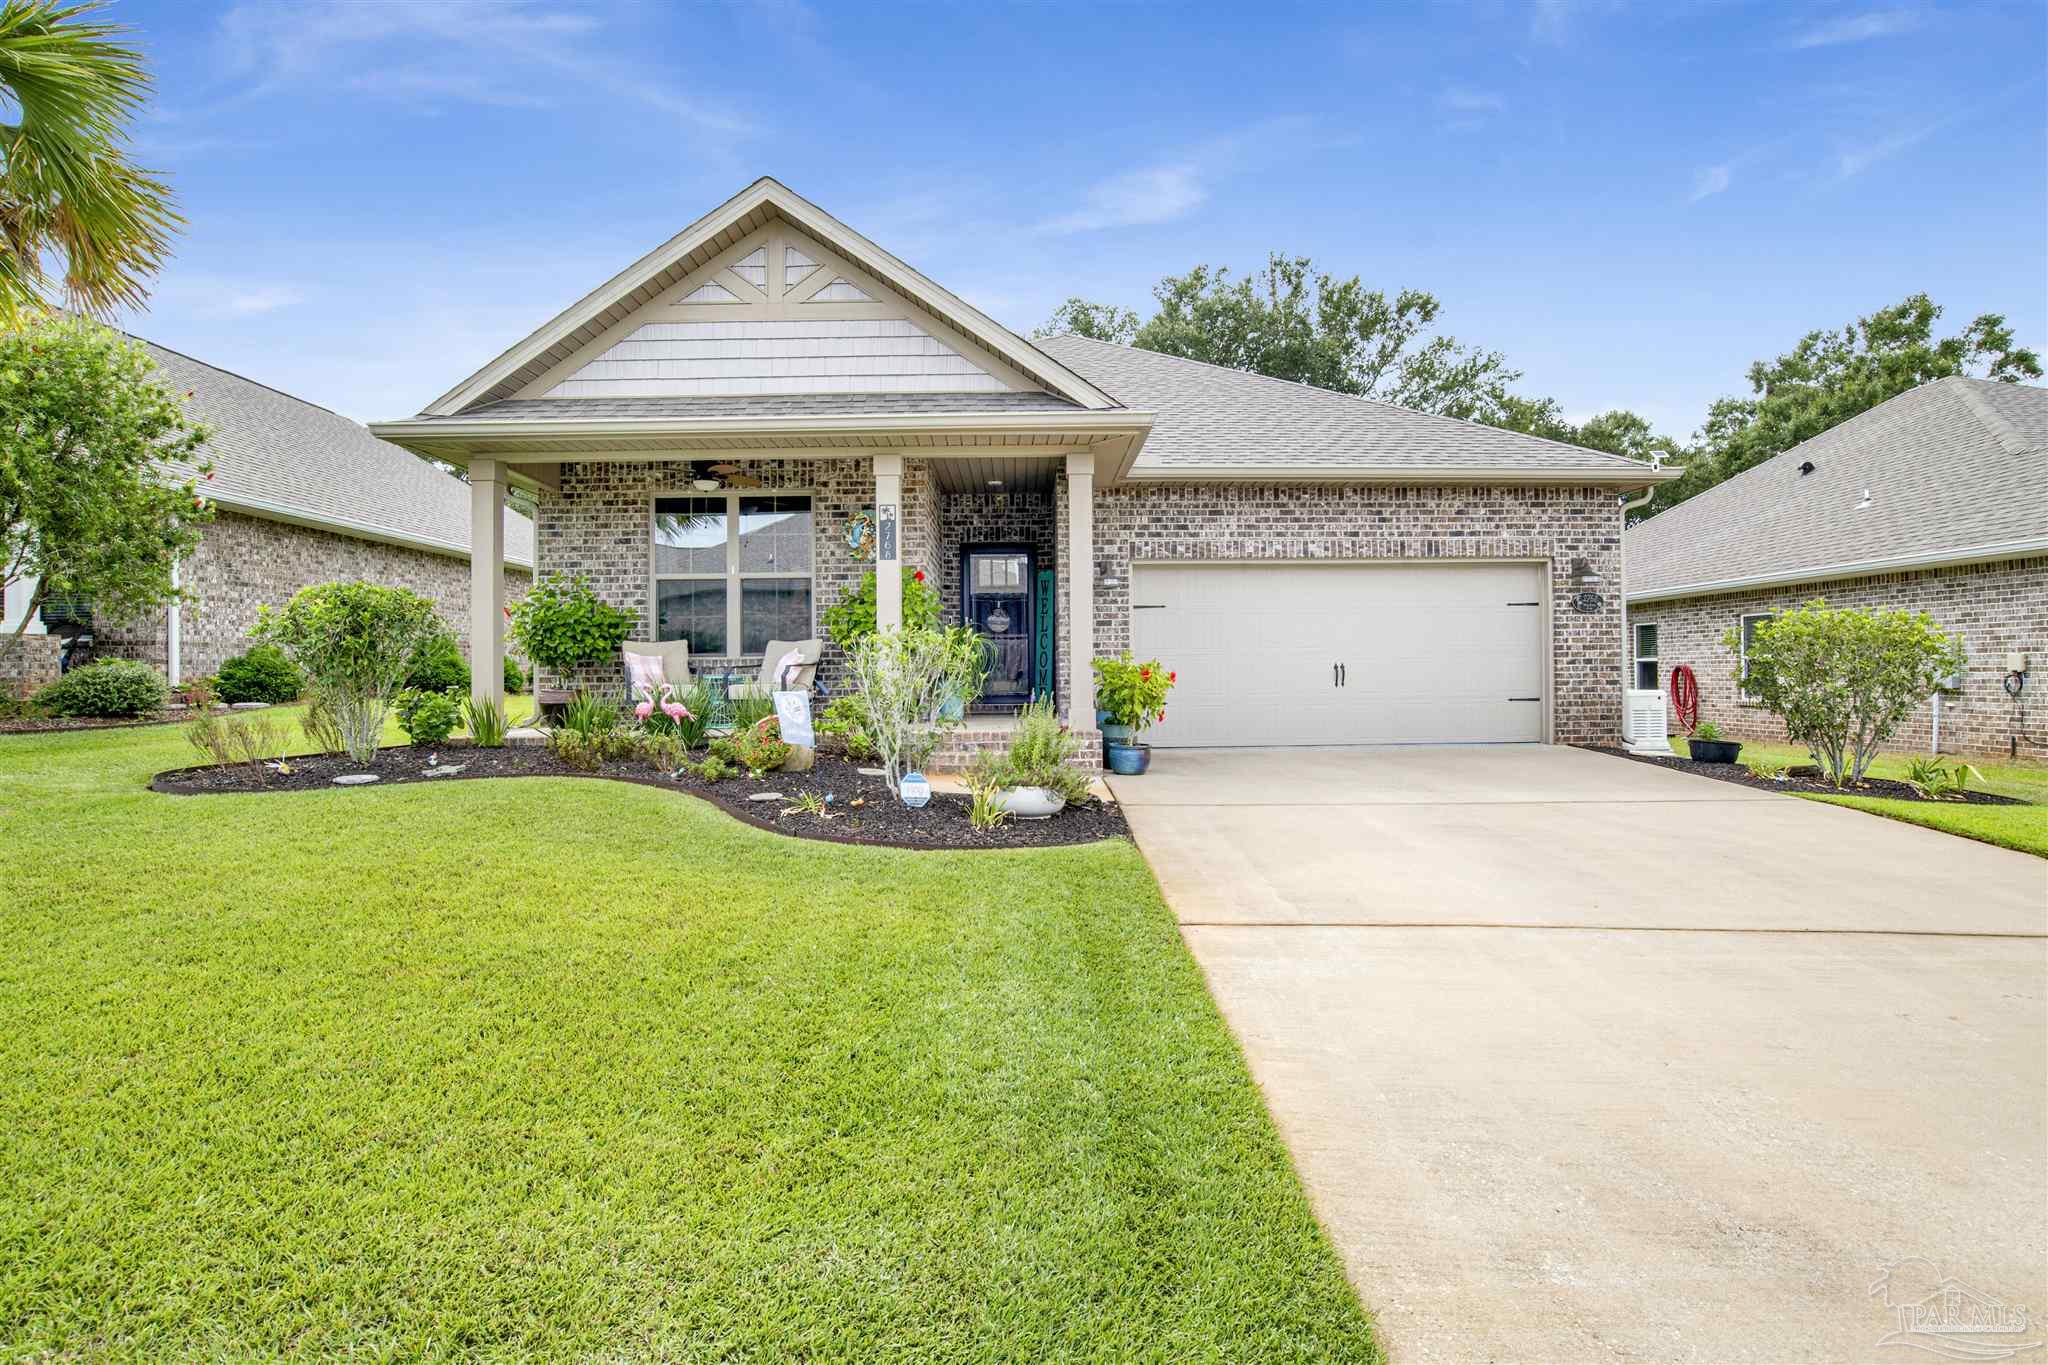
{"x": 995, "y": 598}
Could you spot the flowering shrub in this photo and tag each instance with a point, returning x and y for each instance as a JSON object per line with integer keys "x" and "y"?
{"x": 1133, "y": 694}
{"x": 852, "y": 618}
{"x": 759, "y": 747}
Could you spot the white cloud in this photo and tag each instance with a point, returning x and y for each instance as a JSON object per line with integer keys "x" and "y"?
{"x": 1859, "y": 28}
{"x": 1157, "y": 194}
{"x": 491, "y": 52}
{"x": 1854, "y": 161}
{"x": 219, "y": 296}
{"x": 1460, "y": 100}
{"x": 1710, "y": 180}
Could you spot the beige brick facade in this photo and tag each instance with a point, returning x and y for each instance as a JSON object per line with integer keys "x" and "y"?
{"x": 1997, "y": 609}
{"x": 245, "y": 562}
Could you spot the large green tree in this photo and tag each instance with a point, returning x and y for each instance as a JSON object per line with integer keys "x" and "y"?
{"x": 68, "y": 191}
{"x": 94, "y": 497}
{"x": 1292, "y": 321}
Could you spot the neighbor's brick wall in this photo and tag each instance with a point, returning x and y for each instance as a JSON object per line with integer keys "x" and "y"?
{"x": 600, "y": 525}
{"x": 33, "y": 661}
{"x": 244, "y": 562}
{"x": 1995, "y": 608}
{"x": 1196, "y": 522}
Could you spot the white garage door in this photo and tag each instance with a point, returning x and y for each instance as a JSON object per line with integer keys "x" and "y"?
{"x": 1345, "y": 653}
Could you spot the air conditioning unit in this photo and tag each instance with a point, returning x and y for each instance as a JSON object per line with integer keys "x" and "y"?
{"x": 1643, "y": 724}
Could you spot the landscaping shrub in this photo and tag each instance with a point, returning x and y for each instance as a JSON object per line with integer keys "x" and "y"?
{"x": 663, "y": 753}
{"x": 439, "y": 667}
{"x": 589, "y": 717}
{"x": 713, "y": 769}
{"x": 908, "y": 679}
{"x": 515, "y": 680}
{"x": 760, "y": 748}
{"x": 1040, "y": 755}
{"x": 1843, "y": 679}
{"x": 485, "y": 722}
{"x": 427, "y": 717}
{"x": 109, "y": 688}
{"x": 263, "y": 674}
{"x": 846, "y": 718}
{"x": 356, "y": 643}
{"x": 1133, "y": 693}
{"x": 228, "y": 741}
{"x": 852, "y": 618}
{"x": 562, "y": 625}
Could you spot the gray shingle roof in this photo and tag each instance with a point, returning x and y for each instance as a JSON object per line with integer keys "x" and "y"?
{"x": 781, "y": 405}
{"x": 1951, "y": 466}
{"x": 1214, "y": 418}
{"x": 275, "y": 453}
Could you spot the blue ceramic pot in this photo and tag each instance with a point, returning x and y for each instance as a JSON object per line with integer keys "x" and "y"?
{"x": 1127, "y": 760}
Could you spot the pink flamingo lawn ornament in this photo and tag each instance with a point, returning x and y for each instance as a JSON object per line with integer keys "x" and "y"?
{"x": 673, "y": 709}
{"x": 646, "y": 706}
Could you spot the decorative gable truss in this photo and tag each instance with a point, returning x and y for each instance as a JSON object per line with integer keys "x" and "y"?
{"x": 777, "y": 313}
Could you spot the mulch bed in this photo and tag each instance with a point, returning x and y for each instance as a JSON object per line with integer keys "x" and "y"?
{"x": 1875, "y": 786}
{"x": 863, "y": 811}
{"x": 39, "y": 725}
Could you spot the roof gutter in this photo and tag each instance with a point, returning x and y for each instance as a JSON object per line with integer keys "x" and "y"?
{"x": 1106, "y": 422}
{"x": 1938, "y": 559}
{"x": 361, "y": 530}
{"x": 1604, "y": 476}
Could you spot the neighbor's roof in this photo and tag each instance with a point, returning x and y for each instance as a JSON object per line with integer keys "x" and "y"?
{"x": 1213, "y": 422}
{"x": 1957, "y": 472}
{"x": 284, "y": 458}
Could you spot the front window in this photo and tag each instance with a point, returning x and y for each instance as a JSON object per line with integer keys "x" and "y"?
{"x": 732, "y": 571}
{"x": 1646, "y": 657}
{"x": 1749, "y": 625}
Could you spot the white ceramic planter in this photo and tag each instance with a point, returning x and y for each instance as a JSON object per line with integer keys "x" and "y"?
{"x": 1033, "y": 803}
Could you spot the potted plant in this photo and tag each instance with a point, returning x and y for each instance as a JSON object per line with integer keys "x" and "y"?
{"x": 561, "y": 625}
{"x": 1707, "y": 746}
{"x": 1034, "y": 778}
{"x": 1133, "y": 696}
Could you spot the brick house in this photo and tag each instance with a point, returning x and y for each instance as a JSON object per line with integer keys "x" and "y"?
{"x": 1934, "y": 501}
{"x": 303, "y": 496}
{"x": 728, "y": 434}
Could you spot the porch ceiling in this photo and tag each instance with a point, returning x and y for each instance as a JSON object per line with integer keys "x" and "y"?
{"x": 996, "y": 473}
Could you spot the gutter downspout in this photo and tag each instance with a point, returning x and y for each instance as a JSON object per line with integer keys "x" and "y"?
{"x": 174, "y": 636}
{"x": 1628, "y": 675}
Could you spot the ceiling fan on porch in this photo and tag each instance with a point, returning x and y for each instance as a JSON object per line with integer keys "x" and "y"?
{"x": 709, "y": 477}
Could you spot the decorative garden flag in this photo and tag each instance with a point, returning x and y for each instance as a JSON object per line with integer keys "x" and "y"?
{"x": 793, "y": 713}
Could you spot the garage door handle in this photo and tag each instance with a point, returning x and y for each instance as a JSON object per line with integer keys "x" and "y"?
{"x": 1333, "y": 675}
{"x": 1525, "y": 699}
{"x": 1343, "y": 676}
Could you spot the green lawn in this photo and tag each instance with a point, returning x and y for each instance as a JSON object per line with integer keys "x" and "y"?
{"x": 2021, "y": 827}
{"x": 550, "y": 1068}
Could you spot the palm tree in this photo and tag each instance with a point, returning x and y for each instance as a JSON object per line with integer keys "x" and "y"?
{"x": 67, "y": 187}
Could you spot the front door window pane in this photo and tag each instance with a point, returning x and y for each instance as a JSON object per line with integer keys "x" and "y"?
{"x": 773, "y": 609}
{"x": 775, "y": 535}
{"x": 693, "y": 610}
{"x": 689, "y": 535}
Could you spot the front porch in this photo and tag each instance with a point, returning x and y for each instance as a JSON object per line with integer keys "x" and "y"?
{"x": 729, "y": 552}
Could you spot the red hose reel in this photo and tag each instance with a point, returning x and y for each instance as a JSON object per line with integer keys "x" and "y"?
{"x": 1685, "y": 697}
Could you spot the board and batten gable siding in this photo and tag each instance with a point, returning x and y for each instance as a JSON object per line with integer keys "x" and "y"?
{"x": 776, "y": 313}
{"x": 1997, "y": 609}
{"x": 244, "y": 562}
{"x": 1193, "y": 523}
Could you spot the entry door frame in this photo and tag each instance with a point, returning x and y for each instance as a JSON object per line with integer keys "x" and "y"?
{"x": 1546, "y": 595}
{"x": 1028, "y": 591}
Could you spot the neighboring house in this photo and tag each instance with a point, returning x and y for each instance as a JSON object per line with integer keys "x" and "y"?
{"x": 303, "y": 496}
{"x": 1319, "y": 569}
{"x": 1934, "y": 501}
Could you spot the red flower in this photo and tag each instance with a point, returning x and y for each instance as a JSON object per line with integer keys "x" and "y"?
{"x": 1144, "y": 675}
{"x": 1173, "y": 677}
{"x": 918, "y": 576}
{"x": 1160, "y": 717}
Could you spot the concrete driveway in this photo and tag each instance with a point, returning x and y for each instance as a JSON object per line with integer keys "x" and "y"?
{"x": 1583, "y": 1059}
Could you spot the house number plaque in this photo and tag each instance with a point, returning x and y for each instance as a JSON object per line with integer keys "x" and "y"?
{"x": 885, "y": 531}
{"x": 1587, "y": 603}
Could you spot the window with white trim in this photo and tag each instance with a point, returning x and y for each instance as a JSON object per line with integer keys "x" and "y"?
{"x": 1646, "y": 656}
{"x": 1747, "y": 628}
{"x": 732, "y": 571}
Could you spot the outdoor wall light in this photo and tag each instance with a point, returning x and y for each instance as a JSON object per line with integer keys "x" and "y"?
{"x": 1582, "y": 574}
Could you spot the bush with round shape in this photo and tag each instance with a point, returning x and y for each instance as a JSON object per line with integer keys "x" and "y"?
{"x": 562, "y": 625}
{"x": 356, "y": 643}
{"x": 760, "y": 748}
{"x": 107, "y": 689}
{"x": 263, "y": 674}
{"x": 440, "y": 667}
{"x": 515, "y": 677}
{"x": 427, "y": 717}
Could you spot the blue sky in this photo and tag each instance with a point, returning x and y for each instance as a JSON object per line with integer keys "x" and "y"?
{"x": 1631, "y": 201}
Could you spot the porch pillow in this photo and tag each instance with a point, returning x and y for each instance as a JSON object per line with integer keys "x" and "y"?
{"x": 644, "y": 671}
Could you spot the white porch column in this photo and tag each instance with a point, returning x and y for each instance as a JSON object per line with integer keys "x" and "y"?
{"x": 888, "y": 542}
{"x": 1079, "y": 561}
{"x": 487, "y": 582}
